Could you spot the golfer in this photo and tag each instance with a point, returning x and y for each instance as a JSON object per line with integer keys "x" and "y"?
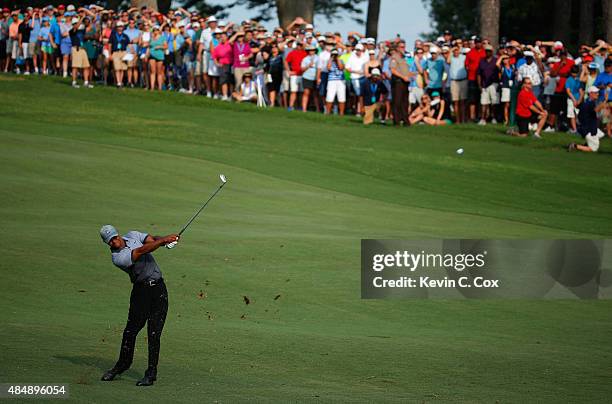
{"x": 149, "y": 298}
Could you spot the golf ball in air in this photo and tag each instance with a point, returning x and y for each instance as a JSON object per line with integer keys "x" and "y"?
{"x": 460, "y": 151}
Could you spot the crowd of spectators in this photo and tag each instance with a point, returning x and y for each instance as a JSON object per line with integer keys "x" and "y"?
{"x": 539, "y": 87}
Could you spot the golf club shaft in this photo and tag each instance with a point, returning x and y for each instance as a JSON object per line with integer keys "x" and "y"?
{"x": 201, "y": 209}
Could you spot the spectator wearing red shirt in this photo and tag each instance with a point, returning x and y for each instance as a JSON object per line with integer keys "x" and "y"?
{"x": 472, "y": 62}
{"x": 558, "y": 104}
{"x": 529, "y": 111}
{"x": 293, "y": 64}
{"x": 222, "y": 56}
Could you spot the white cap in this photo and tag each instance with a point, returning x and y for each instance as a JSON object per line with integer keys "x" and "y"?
{"x": 321, "y": 38}
{"x": 558, "y": 45}
{"x": 218, "y": 31}
{"x": 528, "y": 53}
{"x": 445, "y": 48}
{"x": 212, "y": 19}
{"x": 181, "y": 24}
{"x": 222, "y": 23}
{"x": 75, "y": 20}
{"x": 195, "y": 24}
{"x": 375, "y": 72}
{"x": 120, "y": 23}
{"x": 372, "y": 52}
{"x": 309, "y": 26}
{"x": 593, "y": 89}
{"x": 359, "y": 47}
{"x": 465, "y": 51}
{"x": 434, "y": 49}
{"x": 370, "y": 40}
{"x": 70, "y": 7}
{"x": 308, "y": 35}
{"x": 440, "y": 39}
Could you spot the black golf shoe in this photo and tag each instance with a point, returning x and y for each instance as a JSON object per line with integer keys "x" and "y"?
{"x": 110, "y": 375}
{"x": 149, "y": 377}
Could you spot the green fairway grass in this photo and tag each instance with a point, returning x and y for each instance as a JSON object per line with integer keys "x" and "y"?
{"x": 303, "y": 190}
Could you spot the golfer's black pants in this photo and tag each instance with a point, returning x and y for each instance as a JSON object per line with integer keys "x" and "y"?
{"x": 148, "y": 304}
{"x": 399, "y": 100}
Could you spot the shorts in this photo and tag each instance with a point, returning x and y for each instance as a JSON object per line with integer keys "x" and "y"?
{"x": 48, "y": 49}
{"x": 201, "y": 66}
{"x": 118, "y": 62}
{"x": 357, "y": 85}
{"x": 295, "y": 84}
{"x": 13, "y": 48}
{"x": 273, "y": 82}
{"x": 323, "y": 84}
{"x": 336, "y": 89}
{"x": 34, "y": 49}
{"x": 309, "y": 84}
{"x": 558, "y": 104}
{"x": 2, "y": 48}
{"x": 213, "y": 69}
{"x": 572, "y": 111}
{"x": 489, "y": 95}
{"x": 25, "y": 51}
{"x": 225, "y": 74}
{"x": 523, "y": 123}
{"x": 65, "y": 48}
{"x": 473, "y": 92}
{"x": 79, "y": 58}
{"x": 505, "y": 95}
{"x": 414, "y": 95}
{"x": 459, "y": 90}
{"x": 285, "y": 82}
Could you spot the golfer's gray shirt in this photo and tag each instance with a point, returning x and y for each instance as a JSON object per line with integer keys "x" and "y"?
{"x": 145, "y": 268}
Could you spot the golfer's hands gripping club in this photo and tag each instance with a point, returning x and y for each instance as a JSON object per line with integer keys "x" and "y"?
{"x": 171, "y": 241}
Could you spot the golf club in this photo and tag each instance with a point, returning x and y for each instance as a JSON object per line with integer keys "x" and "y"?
{"x": 223, "y": 182}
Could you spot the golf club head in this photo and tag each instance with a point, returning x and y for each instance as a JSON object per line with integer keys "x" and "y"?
{"x": 222, "y": 178}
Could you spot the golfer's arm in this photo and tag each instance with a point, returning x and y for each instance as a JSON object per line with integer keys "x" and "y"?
{"x": 151, "y": 239}
{"x": 147, "y": 248}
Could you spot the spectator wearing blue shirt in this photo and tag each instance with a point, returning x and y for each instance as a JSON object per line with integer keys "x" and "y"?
{"x": 604, "y": 80}
{"x": 433, "y": 70}
{"x": 119, "y": 42}
{"x": 457, "y": 74}
{"x": 575, "y": 94}
{"x": 133, "y": 33}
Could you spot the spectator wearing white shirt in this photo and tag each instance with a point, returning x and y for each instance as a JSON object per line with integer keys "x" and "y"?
{"x": 310, "y": 65}
{"x": 322, "y": 72}
{"x": 531, "y": 69}
{"x": 356, "y": 67}
{"x": 203, "y": 53}
{"x": 458, "y": 81}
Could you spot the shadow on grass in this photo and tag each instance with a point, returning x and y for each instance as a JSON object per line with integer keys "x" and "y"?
{"x": 100, "y": 364}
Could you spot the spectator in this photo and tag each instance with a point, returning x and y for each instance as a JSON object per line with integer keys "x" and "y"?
{"x": 222, "y": 55}
{"x": 575, "y": 93}
{"x": 472, "y": 64}
{"x": 158, "y": 47}
{"x": 247, "y": 91}
{"x": 506, "y": 79}
{"x": 399, "y": 85}
{"x": 309, "y": 76}
{"x": 433, "y": 70}
{"x": 558, "y": 104}
{"x": 459, "y": 81}
{"x": 529, "y": 111}
{"x": 374, "y": 95}
{"x": 422, "y": 111}
{"x": 47, "y": 44}
{"x": 119, "y": 43}
{"x": 533, "y": 70}
{"x": 293, "y": 64}
{"x": 336, "y": 86}
{"x": 241, "y": 55}
{"x": 274, "y": 73}
{"x": 588, "y": 122}
{"x": 133, "y": 35}
{"x": 439, "y": 111}
{"x": 78, "y": 54}
{"x": 355, "y": 65}
{"x": 488, "y": 77}
{"x": 604, "y": 79}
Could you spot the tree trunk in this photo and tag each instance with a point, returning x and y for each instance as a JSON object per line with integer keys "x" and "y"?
{"x": 607, "y": 14}
{"x": 151, "y": 4}
{"x": 561, "y": 20}
{"x": 585, "y": 35}
{"x": 372, "y": 19}
{"x": 289, "y": 9}
{"x": 489, "y": 20}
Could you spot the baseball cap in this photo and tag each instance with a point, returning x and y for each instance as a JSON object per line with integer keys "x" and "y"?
{"x": 61, "y": 7}
{"x": 120, "y": 24}
{"x": 593, "y": 66}
{"x": 334, "y": 51}
{"x": 310, "y": 47}
{"x": 558, "y": 45}
{"x": 6, "y": 10}
{"x": 107, "y": 232}
{"x": 446, "y": 32}
{"x": 528, "y": 53}
{"x": 435, "y": 94}
{"x": 371, "y": 52}
{"x": 211, "y": 19}
{"x": 593, "y": 89}
{"x": 370, "y": 41}
{"x": 375, "y": 72}
{"x": 221, "y": 23}
{"x": 75, "y": 20}
{"x": 70, "y": 7}
{"x": 359, "y": 47}
{"x": 434, "y": 49}
{"x": 218, "y": 31}
{"x": 488, "y": 48}
{"x": 321, "y": 38}
{"x": 309, "y": 26}
{"x": 195, "y": 24}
